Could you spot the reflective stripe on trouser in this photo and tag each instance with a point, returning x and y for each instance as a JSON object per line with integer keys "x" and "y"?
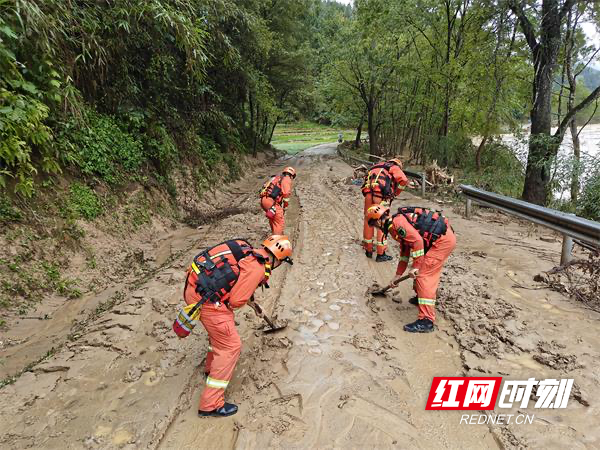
{"x": 277, "y": 223}
{"x": 368, "y": 231}
{"x": 226, "y": 345}
{"x": 428, "y": 280}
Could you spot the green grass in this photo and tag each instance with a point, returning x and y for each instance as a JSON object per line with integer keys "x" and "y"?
{"x": 295, "y": 137}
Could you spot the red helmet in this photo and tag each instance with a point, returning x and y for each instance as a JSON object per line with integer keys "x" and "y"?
{"x": 397, "y": 161}
{"x": 280, "y": 246}
{"x": 290, "y": 171}
{"x": 376, "y": 212}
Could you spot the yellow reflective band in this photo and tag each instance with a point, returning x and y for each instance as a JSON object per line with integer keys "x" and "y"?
{"x": 196, "y": 314}
{"x": 417, "y": 253}
{"x": 196, "y": 269}
{"x": 367, "y": 241}
{"x": 404, "y": 258}
{"x": 216, "y": 384}
{"x": 427, "y": 301}
{"x": 377, "y": 179}
{"x": 210, "y": 348}
{"x": 184, "y": 321}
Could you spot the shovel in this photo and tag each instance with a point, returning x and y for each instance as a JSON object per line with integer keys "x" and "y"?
{"x": 377, "y": 290}
{"x": 259, "y": 312}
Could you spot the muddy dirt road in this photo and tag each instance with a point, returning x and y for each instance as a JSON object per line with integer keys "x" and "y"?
{"x": 343, "y": 374}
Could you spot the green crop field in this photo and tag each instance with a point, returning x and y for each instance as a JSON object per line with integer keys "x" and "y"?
{"x": 295, "y": 137}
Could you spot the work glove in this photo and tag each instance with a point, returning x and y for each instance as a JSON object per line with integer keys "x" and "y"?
{"x": 270, "y": 213}
{"x": 413, "y": 272}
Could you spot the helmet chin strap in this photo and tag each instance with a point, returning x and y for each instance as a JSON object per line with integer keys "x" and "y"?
{"x": 386, "y": 227}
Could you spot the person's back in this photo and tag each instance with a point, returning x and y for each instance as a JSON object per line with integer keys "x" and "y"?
{"x": 221, "y": 279}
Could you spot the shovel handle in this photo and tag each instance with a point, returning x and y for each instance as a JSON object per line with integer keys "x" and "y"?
{"x": 393, "y": 285}
{"x": 269, "y": 321}
{"x": 259, "y": 312}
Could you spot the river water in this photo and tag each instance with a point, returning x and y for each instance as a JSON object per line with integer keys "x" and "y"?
{"x": 590, "y": 154}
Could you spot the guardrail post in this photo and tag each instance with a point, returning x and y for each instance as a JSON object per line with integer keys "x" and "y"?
{"x": 567, "y": 248}
{"x": 423, "y": 184}
{"x": 468, "y": 208}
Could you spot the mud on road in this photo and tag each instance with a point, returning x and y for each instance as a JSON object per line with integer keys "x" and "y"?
{"x": 343, "y": 374}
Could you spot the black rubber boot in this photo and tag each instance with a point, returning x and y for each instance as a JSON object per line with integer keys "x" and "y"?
{"x": 228, "y": 409}
{"x": 414, "y": 301}
{"x": 369, "y": 254}
{"x": 383, "y": 258}
{"x": 420, "y": 326}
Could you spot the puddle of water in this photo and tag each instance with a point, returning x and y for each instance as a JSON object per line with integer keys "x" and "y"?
{"x": 122, "y": 437}
{"x": 102, "y": 430}
{"x": 524, "y": 360}
{"x": 151, "y": 378}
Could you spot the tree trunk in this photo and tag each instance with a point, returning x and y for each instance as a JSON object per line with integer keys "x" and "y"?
{"x": 542, "y": 146}
{"x": 480, "y": 152}
{"x": 373, "y": 147}
{"x": 568, "y": 67}
{"x": 537, "y": 173}
{"x": 446, "y": 118}
{"x": 576, "y": 163}
{"x": 359, "y": 131}
{"x": 273, "y": 129}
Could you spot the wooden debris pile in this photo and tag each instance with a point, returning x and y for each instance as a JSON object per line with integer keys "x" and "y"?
{"x": 437, "y": 176}
{"x": 579, "y": 279}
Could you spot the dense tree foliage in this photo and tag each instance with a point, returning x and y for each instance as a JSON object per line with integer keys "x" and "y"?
{"x": 429, "y": 76}
{"x": 122, "y": 88}
{"x": 118, "y": 86}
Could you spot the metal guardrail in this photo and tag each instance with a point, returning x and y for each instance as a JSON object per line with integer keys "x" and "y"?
{"x": 409, "y": 173}
{"x": 569, "y": 225}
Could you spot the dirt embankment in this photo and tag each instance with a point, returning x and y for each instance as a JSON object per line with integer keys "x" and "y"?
{"x": 343, "y": 374}
{"x": 80, "y": 268}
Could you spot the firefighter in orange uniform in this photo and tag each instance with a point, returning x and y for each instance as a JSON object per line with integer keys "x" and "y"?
{"x": 221, "y": 279}
{"x": 275, "y": 197}
{"x": 383, "y": 182}
{"x": 427, "y": 238}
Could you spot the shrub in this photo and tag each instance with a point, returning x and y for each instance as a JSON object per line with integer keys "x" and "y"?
{"x": 8, "y": 213}
{"x": 83, "y": 202}
{"x": 451, "y": 151}
{"x": 589, "y": 203}
{"x": 100, "y": 148}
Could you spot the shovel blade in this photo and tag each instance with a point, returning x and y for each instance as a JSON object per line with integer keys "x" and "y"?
{"x": 376, "y": 289}
{"x": 276, "y": 326}
{"x": 379, "y": 293}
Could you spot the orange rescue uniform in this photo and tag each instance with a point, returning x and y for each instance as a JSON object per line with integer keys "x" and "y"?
{"x": 280, "y": 203}
{"x": 374, "y": 196}
{"x": 430, "y": 264}
{"x": 224, "y": 341}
